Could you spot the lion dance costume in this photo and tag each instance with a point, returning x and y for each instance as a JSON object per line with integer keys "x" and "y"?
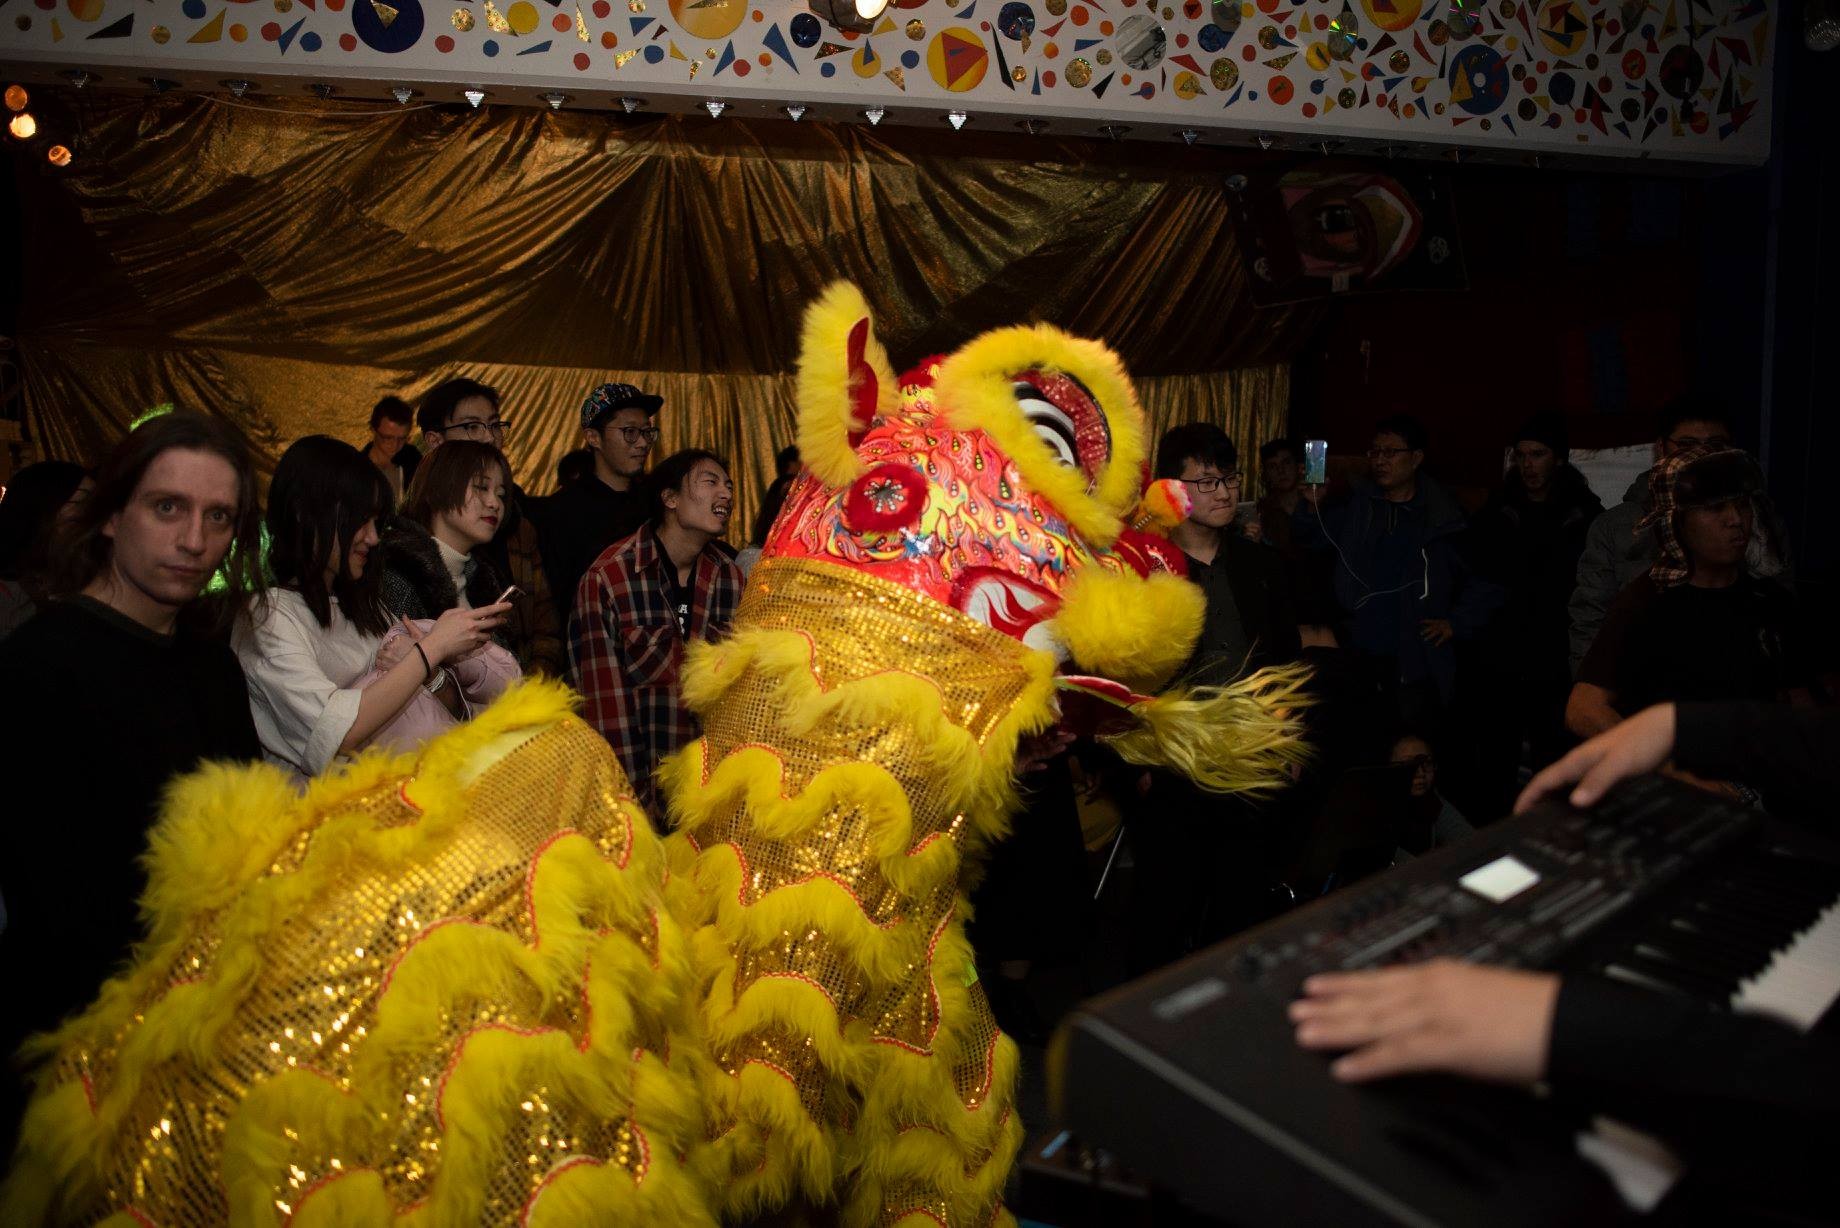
{"x": 470, "y": 986}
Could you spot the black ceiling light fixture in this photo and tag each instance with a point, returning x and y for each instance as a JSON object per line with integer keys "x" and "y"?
{"x": 856, "y": 15}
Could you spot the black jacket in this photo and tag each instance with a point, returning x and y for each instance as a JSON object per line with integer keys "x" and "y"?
{"x": 1397, "y": 564}
{"x": 580, "y": 522}
{"x": 100, "y": 714}
{"x": 417, "y": 584}
{"x": 1259, "y": 581}
{"x": 1531, "y": 550}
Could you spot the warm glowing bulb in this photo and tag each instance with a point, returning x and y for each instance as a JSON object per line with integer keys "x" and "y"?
{"x": 16, "y": 98}
{"x": 869, "y": 10}
{"x": 23, "y": 126}
{"x": 58, "y": 155}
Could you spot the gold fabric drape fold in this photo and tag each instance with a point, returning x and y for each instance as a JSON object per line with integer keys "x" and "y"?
{"x": 285, "y": 268}
{"x": 1249, "y": 402}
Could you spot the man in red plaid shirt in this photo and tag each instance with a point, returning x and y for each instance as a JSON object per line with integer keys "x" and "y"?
{"x": 641, "y": 602}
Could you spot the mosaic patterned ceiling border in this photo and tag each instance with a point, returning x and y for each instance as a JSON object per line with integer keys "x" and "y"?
{"x": 1669, "y": 79}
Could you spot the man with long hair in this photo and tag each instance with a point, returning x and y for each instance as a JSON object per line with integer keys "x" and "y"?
{"x": 120, "y": 682}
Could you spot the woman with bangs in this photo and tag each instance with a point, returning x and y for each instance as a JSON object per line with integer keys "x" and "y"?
{"x": 324, "y": 675}
{"x": 434, "y": 552}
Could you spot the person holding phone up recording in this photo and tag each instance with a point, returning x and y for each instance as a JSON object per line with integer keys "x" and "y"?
{"x": 1404, "y": 590}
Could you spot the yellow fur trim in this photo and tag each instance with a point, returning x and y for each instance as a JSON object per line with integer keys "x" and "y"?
{"x": 790, "y": 1006}
{"x": 973, "y": 393}
{"x": 976, "y": 778}
{"x": 748, "y": 804}
{"x": 755, "y": 777}
{"x": 1132, "y": 629}
{"x": 827, "y": 404}
{"x": 819, "y": 903}
{"x": 599, "y": 930}
{"x": 1240, "y": 738}
{"x": 913, "y": 1130}
{"x": 922, "y": 1156}
{"x": 798, "y": 1156}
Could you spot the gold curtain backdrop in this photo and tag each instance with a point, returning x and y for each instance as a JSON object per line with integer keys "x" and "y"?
{"x": 285, "y": 267}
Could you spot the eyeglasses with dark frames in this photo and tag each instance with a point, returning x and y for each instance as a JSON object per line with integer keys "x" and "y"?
{"x": 1211, "y": 483}
{"x": 497, "y": 427}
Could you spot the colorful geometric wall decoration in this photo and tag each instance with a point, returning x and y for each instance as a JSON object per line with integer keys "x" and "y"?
{"x": 1669, "y": 79}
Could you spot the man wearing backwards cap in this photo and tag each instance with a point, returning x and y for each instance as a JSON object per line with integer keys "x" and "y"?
{"x": 1706, "y": 622}
{"x": 586, "y": 517}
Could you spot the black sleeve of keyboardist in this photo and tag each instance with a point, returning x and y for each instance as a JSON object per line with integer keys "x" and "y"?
{"x": 1790, "y": 755}
{"x": 1748, "y": 1103}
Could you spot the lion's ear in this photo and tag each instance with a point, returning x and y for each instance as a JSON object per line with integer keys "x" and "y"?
{"x": 845, "y": 383}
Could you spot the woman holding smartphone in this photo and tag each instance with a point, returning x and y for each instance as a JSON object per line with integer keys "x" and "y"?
{"x": 434, "y": 551}
{"x": 323, "y": 680}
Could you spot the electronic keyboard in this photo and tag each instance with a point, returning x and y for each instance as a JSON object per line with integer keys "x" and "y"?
{"x": 1192, "y": 1079}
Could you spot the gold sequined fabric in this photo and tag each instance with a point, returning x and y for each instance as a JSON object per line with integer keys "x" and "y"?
{"x": 439, "y": 1001}
{"x": 840, "y": 683}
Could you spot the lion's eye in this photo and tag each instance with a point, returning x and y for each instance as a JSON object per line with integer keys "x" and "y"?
{"x": 1054, "y": 426}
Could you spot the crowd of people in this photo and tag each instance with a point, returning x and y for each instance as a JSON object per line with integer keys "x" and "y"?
{"x": 157, "y": 614}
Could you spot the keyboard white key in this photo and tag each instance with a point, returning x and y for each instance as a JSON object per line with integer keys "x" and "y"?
{"x": 1802, "y": 981}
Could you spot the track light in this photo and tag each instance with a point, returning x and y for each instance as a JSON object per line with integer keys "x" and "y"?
{"x": 402, "y": 94}
{"x": 78, "y": 77}
{"x": 715, "y": 107}
{"x": 852, "y": 15}
{"x": 1189, "y": 136}
{"x": 795, "y": 111}
{"x": 874, "y": 115}
{"x": 1113, "y": 132}
{"x": 474, "y": 95}
{"x": 237, "y": 88}
{"x": 1034, "y": 127}
{"x": 958, "y": 119}
{"x": 555, "y": 101}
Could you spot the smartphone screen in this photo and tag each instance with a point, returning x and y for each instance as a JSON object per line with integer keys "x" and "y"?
{"x": 508, "y": 594}
{"x": 1315, "y": 462}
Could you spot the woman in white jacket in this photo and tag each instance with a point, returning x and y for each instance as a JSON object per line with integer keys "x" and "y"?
{"x": 322, "y": 679}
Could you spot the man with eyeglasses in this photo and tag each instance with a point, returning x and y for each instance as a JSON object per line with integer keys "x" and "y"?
{"x": 1405, "y": 589}
{"x": 1614, "y": 552}
{"x": 1250, "y": 619}
{"x": 607, "y": 506}
{"x": 1208, "y": 866}
{"x": 468, "y": 409}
